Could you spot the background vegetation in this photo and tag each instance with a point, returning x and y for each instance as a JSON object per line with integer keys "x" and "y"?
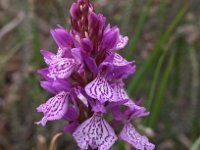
{"x": 164, "y": 41}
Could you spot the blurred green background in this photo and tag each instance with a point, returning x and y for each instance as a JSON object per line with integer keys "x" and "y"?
{"x": 163, "y": 39}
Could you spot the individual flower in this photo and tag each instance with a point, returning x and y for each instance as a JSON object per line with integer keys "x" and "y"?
{"x": 96, "y": 133}
{"x": 130, "y": 135}
{"x": 54, "y": 109}
{"x": 100, "y": 89}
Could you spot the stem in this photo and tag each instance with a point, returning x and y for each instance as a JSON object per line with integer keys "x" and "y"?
{"x": 195, "y": 82}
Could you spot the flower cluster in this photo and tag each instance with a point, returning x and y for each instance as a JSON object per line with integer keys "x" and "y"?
{"x": 86, "y": 76}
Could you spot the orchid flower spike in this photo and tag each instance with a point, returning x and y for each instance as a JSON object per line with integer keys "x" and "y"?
{"x": 86, "y": 77}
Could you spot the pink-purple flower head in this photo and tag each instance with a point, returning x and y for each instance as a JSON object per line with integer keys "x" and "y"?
{"x": 86, "y": 77}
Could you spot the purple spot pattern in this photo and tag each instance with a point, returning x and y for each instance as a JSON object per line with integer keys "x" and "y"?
{"x": 61, "y": 68}
{"x": 54, "y": 109}
{"x": 119, "y": 60}
{"x": 120, "y": 93}
{"x": 121, "y": 43}
{"x": 48, "y": 60}
{"x": 130, "y": 135}
{"x": 100, "y": 89}
{"x": 95, "y": 132}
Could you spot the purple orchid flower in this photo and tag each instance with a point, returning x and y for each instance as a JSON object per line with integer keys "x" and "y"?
{"x": 86, "y": 77}
{"x": 54, "y": 108}
{"x": 95, "y": 132}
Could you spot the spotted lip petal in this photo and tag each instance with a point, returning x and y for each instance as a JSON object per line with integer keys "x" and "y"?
{"x": 118, "y": 60}
{"x": 49, "y": 57}
{"x": 61, "y": 68}
{"x": 95, "y": 132}
{"x": 130, "y": 135}
{"x": 121, "y": 42}
{"x": 132, "y": 106}
{"x": 100, "y": 89}
{"x": 119, "y": 91}
{"x": 54, "y": 109}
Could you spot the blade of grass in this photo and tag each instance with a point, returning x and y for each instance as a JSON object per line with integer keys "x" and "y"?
{"x": 156, "y": 52}
{"x": 196, "y": 145}
{"x": 180, "y": 50}
{"x": 121, "y": 145}
{"x": 161, "y": 92}
{"x": 11, "y": 53}
{"x": 156, "y": 75}
{"x": 138, "y": 30}
{"x": 194, "y": 84}
{"x": 162, "y": 14}
{"x": 36, "y": 43}
{"x": 54, "y": 141}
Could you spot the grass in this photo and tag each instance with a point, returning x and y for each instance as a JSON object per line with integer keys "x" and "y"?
{"x": 139, "y": 76}
{"x": 196, "y": 145}
{"x": 138, "y": 30}
{"x": 156, "y": 76}
{"x": 159, "y": 97}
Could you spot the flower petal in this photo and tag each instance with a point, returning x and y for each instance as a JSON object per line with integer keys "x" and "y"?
{"x": 119, "y": 91}
{"x": 130, "y": 135}
{"x": 121, "y": 43}
{"x": 95, "y": 132}
{"x": 44, "y": 73}
{"x": 76, "y": 53}
{"x": 54, "y": 109}
{"x": 61, "y": 68}
{"x": 60, "y": 53}
{"x": 81, "y": 97}
{"x": 55, "y": 86}
{"x": 90, "y": 62}
{"x": 118, "y": 66}
{"x": 71, "y": 114}
{"x": 71, "y": 127}
{"x": 62, "y": 37}
{"x": 100, "y": 89}
{"x": 118, "y": 60}
{"x": 48, "y": 56}
{"x": 110, "y": 38}
{"x": 87, "y": 44}
{"x": 74, "y": 11}
{"x": 47, "y": 85}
